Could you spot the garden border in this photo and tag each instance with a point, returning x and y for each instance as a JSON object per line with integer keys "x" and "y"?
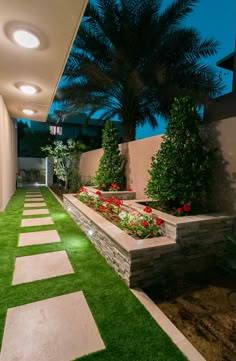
{"x": 124, "y": 195}
{"x": 141, "y": 262}
{"x": 176, "y": 336}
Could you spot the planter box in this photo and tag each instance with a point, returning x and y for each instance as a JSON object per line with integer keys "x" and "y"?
{"x": 192, "y": 230}
{"x": 146, "y": 261}
{"x": 123, "y": 195}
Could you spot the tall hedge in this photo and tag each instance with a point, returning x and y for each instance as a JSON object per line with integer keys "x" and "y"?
{"x": 181, "y": 170}
{"x": 111, "y": 165}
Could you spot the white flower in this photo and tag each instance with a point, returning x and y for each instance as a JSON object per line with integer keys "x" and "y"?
{"x": 122, "y": 215}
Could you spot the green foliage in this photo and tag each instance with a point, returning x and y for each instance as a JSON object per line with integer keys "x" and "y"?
{"x": 111, "y": 165}
{"x": 30, "y": 143}
{"x": 181, "y": 170}
{"x": 124, "y": 324}
{"x": 65, "y": 161}
{"x": 89, "y": 181}
{"x": 131, "y": 58}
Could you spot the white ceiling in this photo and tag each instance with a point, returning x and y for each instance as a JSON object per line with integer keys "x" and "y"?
{"x": 56, "y": 22}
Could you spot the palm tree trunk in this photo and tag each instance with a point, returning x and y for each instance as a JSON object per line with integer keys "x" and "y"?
{"x": 128, "y": 130}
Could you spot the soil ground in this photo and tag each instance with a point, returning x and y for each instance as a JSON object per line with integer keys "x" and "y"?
{"x": 204, "y": 310}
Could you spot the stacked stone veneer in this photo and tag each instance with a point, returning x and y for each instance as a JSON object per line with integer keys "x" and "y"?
{"x": 124, "y": 195}
{"x": 143, "y": 262}
{"x": 192, "y": 230}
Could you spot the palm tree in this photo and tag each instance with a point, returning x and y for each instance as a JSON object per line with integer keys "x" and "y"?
{"x": 130, "y": 59}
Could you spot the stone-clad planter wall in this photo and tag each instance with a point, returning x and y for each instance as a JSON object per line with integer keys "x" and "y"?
{"x": 143, "y": 262}
{"x": 192, "y": 230}
{"x": 124, "y": 195}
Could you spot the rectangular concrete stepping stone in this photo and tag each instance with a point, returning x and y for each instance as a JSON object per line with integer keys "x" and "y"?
{"x": 34, "y": 199}
{"x": 31, "y": 212}
{"x": 30, "y": 222}
{"x": 41, "y": 266}
{"x": 33, "y": 193}
{"x": 41, "y": 237}
{"x": 34, "y": 205}
{"x": 57, "y": 329}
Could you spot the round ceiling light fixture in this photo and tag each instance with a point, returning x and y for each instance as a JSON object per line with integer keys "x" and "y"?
{"x": 28, "y": 111}
{"x": 28, "y": 89}
{"x": 26, "y": 38}
{"x": 26, "y": 35}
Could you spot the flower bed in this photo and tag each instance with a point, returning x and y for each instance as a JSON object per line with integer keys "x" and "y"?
{"x": 140, "y": 262}
{"x": 137, "y": 224}
{"x": 124, "y": 195}
{"x": 193, "y": 229}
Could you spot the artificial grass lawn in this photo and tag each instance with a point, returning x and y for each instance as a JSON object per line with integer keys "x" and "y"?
{"x": 128, "y": 331}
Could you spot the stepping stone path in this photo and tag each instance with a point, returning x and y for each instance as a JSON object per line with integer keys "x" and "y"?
{"x": 41, "y": 266}
{"x": 35, "y": 205}
{"x": 41, "y": 237}
{"x": 36, "y": 195}
{"x": 32, "y": 212}
{"x": 34, "y": 199}
{"x": 29, "y": 222}
{"x": 33, "y": 193}
{"x": 56, "y": 329}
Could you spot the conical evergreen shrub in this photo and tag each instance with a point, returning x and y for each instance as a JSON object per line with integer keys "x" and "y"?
{"x": 111, "y": 165}
{"x": 181, "y": 170}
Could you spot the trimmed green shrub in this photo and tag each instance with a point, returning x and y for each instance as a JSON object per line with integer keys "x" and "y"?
{"x": 111, "y": 166}
{"x": 181, "y": 170}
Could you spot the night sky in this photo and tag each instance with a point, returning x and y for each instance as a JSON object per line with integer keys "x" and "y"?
{"x": 212, "y": 18}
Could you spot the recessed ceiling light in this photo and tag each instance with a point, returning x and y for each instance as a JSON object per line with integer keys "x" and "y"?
{"x": 28, "y": 89}
{"x": 28, "y": 111}
{"x": 26, "y": 38}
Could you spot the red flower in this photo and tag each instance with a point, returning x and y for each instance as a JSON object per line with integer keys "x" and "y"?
{"x": 147, "y": 209}
{"x": 179, "y": 210}
{"x": 82, "y": 189}
{"x": 101, "y": 199}
{"x": 117, "y": 202}
{"x": 143, "y": 224}
{"x": 102, "y": 208}
{"x": 128, "y": 189}
{"x": 159, "y": 221}
{"x": 186, "y": 208}
{"x": 109, "y": 200}
{"x": 98, "y": 193}
{"x": 114, "y": 186}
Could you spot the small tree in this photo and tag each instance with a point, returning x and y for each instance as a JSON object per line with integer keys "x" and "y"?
{"x": 181, "y": 170}
{"x": 111, "y": 165}
{"x": 65, "y": 161}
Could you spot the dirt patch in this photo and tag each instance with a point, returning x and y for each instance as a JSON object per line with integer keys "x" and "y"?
{"x": 59, "y": 191}
{"x": 204, "y": 311}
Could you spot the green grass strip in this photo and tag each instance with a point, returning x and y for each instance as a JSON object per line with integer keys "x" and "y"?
{"x": 126, "y": 328}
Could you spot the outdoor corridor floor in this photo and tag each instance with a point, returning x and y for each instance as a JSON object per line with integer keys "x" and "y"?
{"x": 59, "y": 300}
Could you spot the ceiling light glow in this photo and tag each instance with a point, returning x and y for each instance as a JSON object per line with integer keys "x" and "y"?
{"x": 26, "y": 39}
{"x": 28, "y": 111}
{"x": 28, "y": 89}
